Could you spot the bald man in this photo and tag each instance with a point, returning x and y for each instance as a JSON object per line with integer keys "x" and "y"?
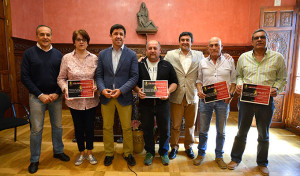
{"x": 213, "y": 69}
{"x": 153, "y": 67}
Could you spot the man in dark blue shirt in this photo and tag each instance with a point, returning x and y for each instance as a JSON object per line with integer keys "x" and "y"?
{"x": 40, "y": 68}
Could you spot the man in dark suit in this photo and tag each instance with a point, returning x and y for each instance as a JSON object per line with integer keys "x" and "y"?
{"x": 116, "y": 76}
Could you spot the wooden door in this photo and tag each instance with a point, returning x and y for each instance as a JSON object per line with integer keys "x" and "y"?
{"x": 280, "y": 24}
{"x": 4, "y": 72}
{"x": 293, "y": 118}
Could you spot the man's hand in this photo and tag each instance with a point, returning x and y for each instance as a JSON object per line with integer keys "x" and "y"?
{"x": 274, "y": 92}
{"x": 53, "y": 97}
{"x": 45, "y": 98}
{"x": 228, "y": 57}
{"x": 116, "y": 93}
{"x": 107, "y": 93}
{"x": 239, "y": 89}
{"x": 140, "y": 59}
{"x": 165, "y": 97}
{"x": 201, "y": 94}
{"x": 142, "y": 95}
{"x": 228, "y": 100}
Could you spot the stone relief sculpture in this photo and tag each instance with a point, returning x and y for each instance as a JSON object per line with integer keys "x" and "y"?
{"x": 144, "y": 24}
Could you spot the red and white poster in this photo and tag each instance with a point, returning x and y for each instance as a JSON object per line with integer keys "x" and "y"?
{"x": 258, "y": 94}
{"x": 80, "y": 88}
{"x": 155, "y": 89}
{"x": 216, "y": 92}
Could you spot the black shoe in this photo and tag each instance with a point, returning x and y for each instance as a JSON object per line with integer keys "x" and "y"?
{"x": 62, "y": 156}
{"x": 130, "y": 160}
{"x": 173, "y": 153}
{"x": 108, "y": 160}
{"x": 190, "y": 153}
{"x": 33, "y": 167}
{"x": 120, "y": 140}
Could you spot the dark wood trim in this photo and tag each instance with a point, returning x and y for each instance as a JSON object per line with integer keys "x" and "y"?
{"x": 23, "y": 44}
{"x": 294, "y": 130}
{"x": 10, "y": 53}
{"x": 20, "y": 45}
{"x": 291, "y": 100}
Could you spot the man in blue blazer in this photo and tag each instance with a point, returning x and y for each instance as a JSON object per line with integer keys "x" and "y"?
{"x": 116, "y": 76}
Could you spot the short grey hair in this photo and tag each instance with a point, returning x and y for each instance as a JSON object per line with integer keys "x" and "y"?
{"x": 260, "y": 30}
{"x": 37, "y": 28}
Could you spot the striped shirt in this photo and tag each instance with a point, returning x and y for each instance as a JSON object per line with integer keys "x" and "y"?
{"x": 271, "y": 71}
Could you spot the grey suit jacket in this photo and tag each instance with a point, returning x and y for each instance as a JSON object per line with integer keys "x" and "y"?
{"x": 186, "y": 81}
{"x": 125, "y": 78}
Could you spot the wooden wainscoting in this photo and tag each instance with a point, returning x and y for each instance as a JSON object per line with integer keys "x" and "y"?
{"x": 20, "y": 45}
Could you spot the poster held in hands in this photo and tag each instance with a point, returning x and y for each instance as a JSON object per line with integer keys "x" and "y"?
{"x": 80, "y": 88}
{"x": 258, "y": 94}
{"x": 215, "y": 92}
{"x": 155, "y": 89}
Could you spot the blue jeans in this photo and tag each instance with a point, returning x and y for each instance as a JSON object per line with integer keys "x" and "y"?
{"x": 162, "y": 112}
{"x": 206, "y": 111}
{"x": 263, "y": 116}
{"x": 37, "y": 114}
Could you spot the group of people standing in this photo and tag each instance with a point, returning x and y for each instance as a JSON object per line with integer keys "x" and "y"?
{"x": 117, "y": 72}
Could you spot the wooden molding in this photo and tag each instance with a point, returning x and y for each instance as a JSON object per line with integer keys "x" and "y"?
{"x": 20, "y": 45}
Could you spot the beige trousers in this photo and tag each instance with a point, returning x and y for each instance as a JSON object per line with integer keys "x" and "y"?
{"x": 189, "y": 113}
{"x": 108, "y": 114}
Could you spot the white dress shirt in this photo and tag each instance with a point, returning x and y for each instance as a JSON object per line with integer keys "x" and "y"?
{"x": 39, "y": 46}
{"x": 185, "y": 60}
{"x": 116, "y": 57}
{"x": 210, "y": 73}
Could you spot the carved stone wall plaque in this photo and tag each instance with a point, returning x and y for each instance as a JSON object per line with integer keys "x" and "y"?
{"x": 286, "y": 19}
{"x": 145, "y": 26}
{"x": 269, "y": 19}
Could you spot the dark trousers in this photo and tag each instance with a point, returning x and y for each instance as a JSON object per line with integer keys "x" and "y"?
{"x": 162, "y": 112}
{"x": 84, "y": 127}
{"x": 263, "y": 116}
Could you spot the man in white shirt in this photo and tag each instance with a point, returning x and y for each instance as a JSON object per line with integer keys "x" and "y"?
{"x": 213, "y": 69}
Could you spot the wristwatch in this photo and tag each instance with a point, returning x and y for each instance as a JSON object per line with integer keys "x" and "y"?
{"x": 231, "y": 95}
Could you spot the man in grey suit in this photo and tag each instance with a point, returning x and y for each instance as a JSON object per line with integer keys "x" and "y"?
{"x": 116, "y": 76}
{"x": 184, "y": 101}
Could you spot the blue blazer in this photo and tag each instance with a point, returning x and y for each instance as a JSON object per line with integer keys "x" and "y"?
{"x": 125, "y": 78}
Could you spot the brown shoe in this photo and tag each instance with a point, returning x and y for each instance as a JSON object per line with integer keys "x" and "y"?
{"x": 221, "y": 163}
{"x": 199, "y": 160}
{"x": 232, "y": 165}
{"x": 263, "y": 170}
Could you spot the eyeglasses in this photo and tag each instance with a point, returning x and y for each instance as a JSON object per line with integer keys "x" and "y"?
{"x": 81, "y": 40}
{"x": 263, "y": 37}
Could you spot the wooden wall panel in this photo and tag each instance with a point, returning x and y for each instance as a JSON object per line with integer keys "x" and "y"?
{"x": 280, "y": 24}
{"x": 294, "y": 120}
{"x": 2, "y": 9}
{"x": 20, "y": 45}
